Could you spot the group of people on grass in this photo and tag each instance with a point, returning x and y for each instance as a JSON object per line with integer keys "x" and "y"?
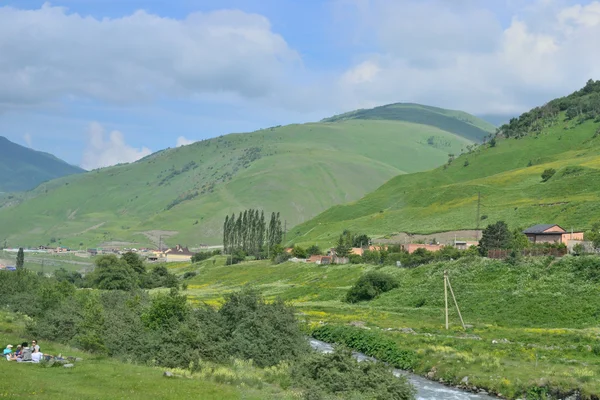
{"x": 24, "y": 353}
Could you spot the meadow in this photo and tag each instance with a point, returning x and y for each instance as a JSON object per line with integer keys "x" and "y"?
{"x": 532, "y": 328}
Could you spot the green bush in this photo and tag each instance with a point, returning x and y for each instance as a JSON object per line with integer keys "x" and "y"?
{"x": 340, "y": 374}
{"x": 547, "y": 174}
{"x": 371, "y": 343}
{"x": 371, "y": 285}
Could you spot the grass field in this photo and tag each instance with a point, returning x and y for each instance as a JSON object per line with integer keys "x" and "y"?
{"x": 48, "y": 263}
{"x": 507, "y": 176}
{"x": 533, "y": 324}
{"x": 99, "y": 377}
{"x": 183, "y": 194}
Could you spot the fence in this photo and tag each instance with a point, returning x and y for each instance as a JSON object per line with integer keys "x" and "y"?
{"x": 504, "y": 253}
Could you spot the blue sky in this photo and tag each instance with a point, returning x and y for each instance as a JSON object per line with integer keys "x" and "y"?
{"x": 101, "y": 81}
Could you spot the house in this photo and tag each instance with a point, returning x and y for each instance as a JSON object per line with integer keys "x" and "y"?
{"x": 321, "y": 260}
{"x": 548, "y": 233}
{"x": 92, "y": 252}
{"x": 464, "y": 244}
{"x": 357, "y": 251}
{"x": 178, "y": 253}
{"x": 412, "y": 247}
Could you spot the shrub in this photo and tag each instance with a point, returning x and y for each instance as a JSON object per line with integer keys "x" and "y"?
{"x": 298, "y": 252}
{"x": 236, "y": 258}
{"x": 281, "y": 258}
{"x": 371, "y": 343}
{"x": 369, "y": 286}
{"x": 340, "y": 374}
{"x": 313, "y": 250}
{"x": 189, "y": 274}
{"x": 547, "y": 174}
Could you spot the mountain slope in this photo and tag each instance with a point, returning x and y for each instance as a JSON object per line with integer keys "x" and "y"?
{"x": 23, "y": 169}
{"x": 457, "y": 122}
{"x": 183, "y": 194}
{"x": 562, "y": 135}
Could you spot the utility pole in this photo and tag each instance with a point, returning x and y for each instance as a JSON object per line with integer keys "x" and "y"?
{"x": 446, "y": 286}
{"x": 446, "y": 295}
{"x": 478, "y": 212}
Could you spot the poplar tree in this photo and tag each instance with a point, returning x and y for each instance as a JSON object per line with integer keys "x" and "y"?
{"x": 226, "y": 234}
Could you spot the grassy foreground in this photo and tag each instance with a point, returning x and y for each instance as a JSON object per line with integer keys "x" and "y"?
{"x": 100, "y": 377}
{"x": 534, "y": 325}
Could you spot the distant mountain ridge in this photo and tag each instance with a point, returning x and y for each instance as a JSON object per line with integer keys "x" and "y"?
{"x": 22, "y": 168}
{"x": 183, "y": 194}
{"x": 457, "y": 122}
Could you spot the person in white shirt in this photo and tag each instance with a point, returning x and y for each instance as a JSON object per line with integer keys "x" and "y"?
{"x": 36, "y": 357}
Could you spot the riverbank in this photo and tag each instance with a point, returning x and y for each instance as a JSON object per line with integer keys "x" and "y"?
{"x": 533, "y": 325}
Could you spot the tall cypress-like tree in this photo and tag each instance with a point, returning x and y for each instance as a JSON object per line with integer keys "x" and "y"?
{"x": 261, "y": 231}
{"x": 248, "y": 232}
{"x": 226, "y": 234}
{"x": 20, "y": 258}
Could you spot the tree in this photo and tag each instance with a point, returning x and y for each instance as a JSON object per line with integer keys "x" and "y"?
{"x": 547, "y": 174}
{"x": 361, "y": 240}
{"x": 519, "y": 240}
{"x": 20, "y": 258}
{"x": 313, "y": 250}
{"x": 495, "y": 236}
{"x": 493, "y": 142}
{"x": 299, "y": 252}
{"x": 135, "y": 262}
{"x": 113, "y": 273}
{"x": 593, "y": 235}
{"x": 344, "y": 245}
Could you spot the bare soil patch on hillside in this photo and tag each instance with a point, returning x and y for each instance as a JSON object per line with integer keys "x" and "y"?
{"x": 441, "y": 237}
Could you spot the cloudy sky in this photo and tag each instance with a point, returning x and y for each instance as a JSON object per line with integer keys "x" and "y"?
{"x": 98, "y": 82}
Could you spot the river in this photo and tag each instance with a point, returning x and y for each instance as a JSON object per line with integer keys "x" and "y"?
{"x": 426, "y": 389}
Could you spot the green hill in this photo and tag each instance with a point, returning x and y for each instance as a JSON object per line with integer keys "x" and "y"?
{"x": 457, "y": 122}
{"x": 562, "y": 135}
{"x": 183, "y": 194}
{"x": 23, "y": 169}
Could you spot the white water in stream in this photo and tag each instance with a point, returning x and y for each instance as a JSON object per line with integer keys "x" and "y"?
{"x": 426, "y": 389}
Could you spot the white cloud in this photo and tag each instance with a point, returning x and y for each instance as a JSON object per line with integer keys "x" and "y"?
{"x": 183, "y": 141}
{"x": 458, "y": 55}
{"x": 103, "y": 152}
{"x": 27, "y": 139}
{"x": 50, "y": 54}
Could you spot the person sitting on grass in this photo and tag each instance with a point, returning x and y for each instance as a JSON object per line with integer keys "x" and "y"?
{"x": 36, "y": 356}
{"x": 8, "y": 352}
{"x": 19, "y": 352}
{"x": 34, "y": 346}
{"x": 26, "y": 356}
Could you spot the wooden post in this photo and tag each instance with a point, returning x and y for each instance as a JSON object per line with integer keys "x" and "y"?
{"x": 455, "y": 303}
{"x": 446, "y": 295}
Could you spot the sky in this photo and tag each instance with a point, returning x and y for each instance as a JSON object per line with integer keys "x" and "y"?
{"x": 98, "y": 82}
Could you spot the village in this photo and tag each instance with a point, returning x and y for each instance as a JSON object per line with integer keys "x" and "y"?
{"x": 542, "y": 234}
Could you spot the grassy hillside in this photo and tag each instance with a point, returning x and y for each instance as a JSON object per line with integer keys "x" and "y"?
{"x": 533, "y": 324}
{"x": 507, "y": 174}
{"x": 23, "y": 169}
{"x": 457, "y": 122}
{"x": 183, "y": 194}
